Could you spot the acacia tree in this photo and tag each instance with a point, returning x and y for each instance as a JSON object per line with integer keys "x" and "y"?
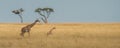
{"x": 45, "y": 13}
{"x": 19, "y": 13}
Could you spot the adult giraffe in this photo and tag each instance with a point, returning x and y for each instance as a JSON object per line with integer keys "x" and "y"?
{"x": 28, "y": 28}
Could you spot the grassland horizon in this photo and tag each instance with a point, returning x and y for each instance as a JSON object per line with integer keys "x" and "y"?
{"x": 66, "y": 35}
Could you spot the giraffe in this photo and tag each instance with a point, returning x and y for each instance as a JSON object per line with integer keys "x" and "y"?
{"x": 50, "y": 31}
{"x": 28, "y": 28}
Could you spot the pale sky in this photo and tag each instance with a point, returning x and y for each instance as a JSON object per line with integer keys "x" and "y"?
{"x": 65, "y": 10}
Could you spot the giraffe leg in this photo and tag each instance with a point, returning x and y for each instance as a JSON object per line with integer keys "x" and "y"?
{"x": 22, "y": 34}
{"x": 29, "y": 34}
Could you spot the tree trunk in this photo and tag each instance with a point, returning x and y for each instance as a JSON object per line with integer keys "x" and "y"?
{"x": 44, "y": 19}
{"x": 21, "y": 18}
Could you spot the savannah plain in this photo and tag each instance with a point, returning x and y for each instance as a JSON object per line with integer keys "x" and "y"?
{"x": 66, "y": 35}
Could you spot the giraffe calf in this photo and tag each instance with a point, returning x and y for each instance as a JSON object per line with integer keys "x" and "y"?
{"x": 50, "y": 31}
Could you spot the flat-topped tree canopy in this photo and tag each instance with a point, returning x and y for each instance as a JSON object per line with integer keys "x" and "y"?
{"x": 45, "y": 13}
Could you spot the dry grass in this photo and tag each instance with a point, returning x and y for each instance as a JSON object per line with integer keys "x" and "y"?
{"x": 64, "y": 36}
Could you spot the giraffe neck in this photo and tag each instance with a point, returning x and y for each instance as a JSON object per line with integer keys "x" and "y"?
{"x": 51, "y": 30}
{"x": 31, "y": 25}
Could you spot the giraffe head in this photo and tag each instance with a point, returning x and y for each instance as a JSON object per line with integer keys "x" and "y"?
{"x": 54, "y": 28}
{"x": 37, "y": 20}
